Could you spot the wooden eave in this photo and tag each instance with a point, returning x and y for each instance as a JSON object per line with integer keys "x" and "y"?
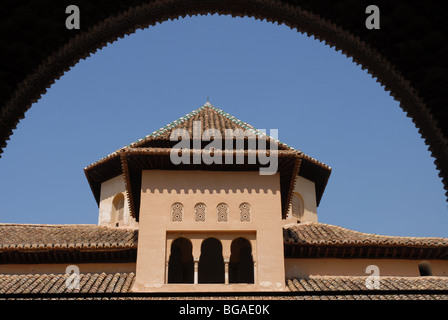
{"x": 68, "y": 256}
{"x": 101, "y": 171}
{"x": 363, "y": 251}
{"x": 317, "y": 172}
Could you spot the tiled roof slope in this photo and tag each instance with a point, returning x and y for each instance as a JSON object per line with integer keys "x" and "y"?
{"x": 56, "y": 283}
{"x": 92, "y": 237}
{"x": 414, "y": 288}
{"x": 321, "y": 233}
{"x": 315, "y": 288}
{"x": 29, "y": 237}
{"x": 319, "y": 240}
{"x": 210, "y": 117}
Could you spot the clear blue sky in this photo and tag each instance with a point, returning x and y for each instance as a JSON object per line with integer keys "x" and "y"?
{"x": 384, "y": 180}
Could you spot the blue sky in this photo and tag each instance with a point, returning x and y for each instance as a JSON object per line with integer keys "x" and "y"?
{"x": 384, "y": 180}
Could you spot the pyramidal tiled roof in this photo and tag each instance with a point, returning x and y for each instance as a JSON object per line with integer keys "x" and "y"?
{"x": 210, "y": 118}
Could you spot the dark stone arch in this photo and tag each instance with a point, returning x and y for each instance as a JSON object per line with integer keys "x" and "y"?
{"x": 405, "y": 55}
{"x": 211, "y": 262}
{"x": 241, "y": 265}
{"x": 181, "y": 265}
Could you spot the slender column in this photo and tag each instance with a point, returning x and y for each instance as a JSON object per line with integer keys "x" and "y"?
{"x": 226, "y": 253}
{"x": 255, "y": 273}
{"x": 226, "y": 270}
{"x": 167, "y": 266}
{"x": 196, "y": 269}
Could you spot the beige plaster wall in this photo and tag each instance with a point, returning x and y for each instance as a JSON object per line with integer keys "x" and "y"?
{"x": 160, "y": 189}
{"x": 307, "y": 191}
{"x": 357, "y": 267}
{"x": 59, "y": 268}
{"x": 109, "y": 189}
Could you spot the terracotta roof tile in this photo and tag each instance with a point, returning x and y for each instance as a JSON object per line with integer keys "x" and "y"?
{"x": 320, "y": 240}
{"x": 55, "y": 283}
{"x": 354, "y": 288}
{"x": 323, "y": 234}
{"x": 311, "y": 288}
{"x": 210, "y": 118}
{"x": 358, "y": 283}
{"x": 29, "y": 238}
{"x": 26, "y": 237}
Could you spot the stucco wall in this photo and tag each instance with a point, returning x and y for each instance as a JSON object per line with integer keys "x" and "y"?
{"x": 109, "y": 189}
{"x": 307, "y": 191}
{"x": 160, "y": 189}
{"x": 357, "y": 267}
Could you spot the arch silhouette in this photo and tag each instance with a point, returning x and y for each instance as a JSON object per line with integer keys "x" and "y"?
{"x": 422, "y": 98}
{"x": 180, "y": 263}
{"x": 211, "y": 262}
{"x": 241, "y": 265}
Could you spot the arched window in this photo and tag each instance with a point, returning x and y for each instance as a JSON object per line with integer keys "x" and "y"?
{"x": 199, "y": 211}
{"x": 298, "y": 207}
{"x": 180, "y": 264}
{"x": 241, "y": 266}
{"x": 211, "y": 262}
{"x": 222, "y": 210}
{"x": 177, "y": 210}
{"x": 116, "y": 217}
{"x": 245, "y": 211}
{"x": 425, "y": 269}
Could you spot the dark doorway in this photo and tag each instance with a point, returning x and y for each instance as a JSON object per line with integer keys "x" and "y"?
{"x": 241, "y": 266}
{"x": 181, "y": 266}
{"x": 211, "y": 262}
